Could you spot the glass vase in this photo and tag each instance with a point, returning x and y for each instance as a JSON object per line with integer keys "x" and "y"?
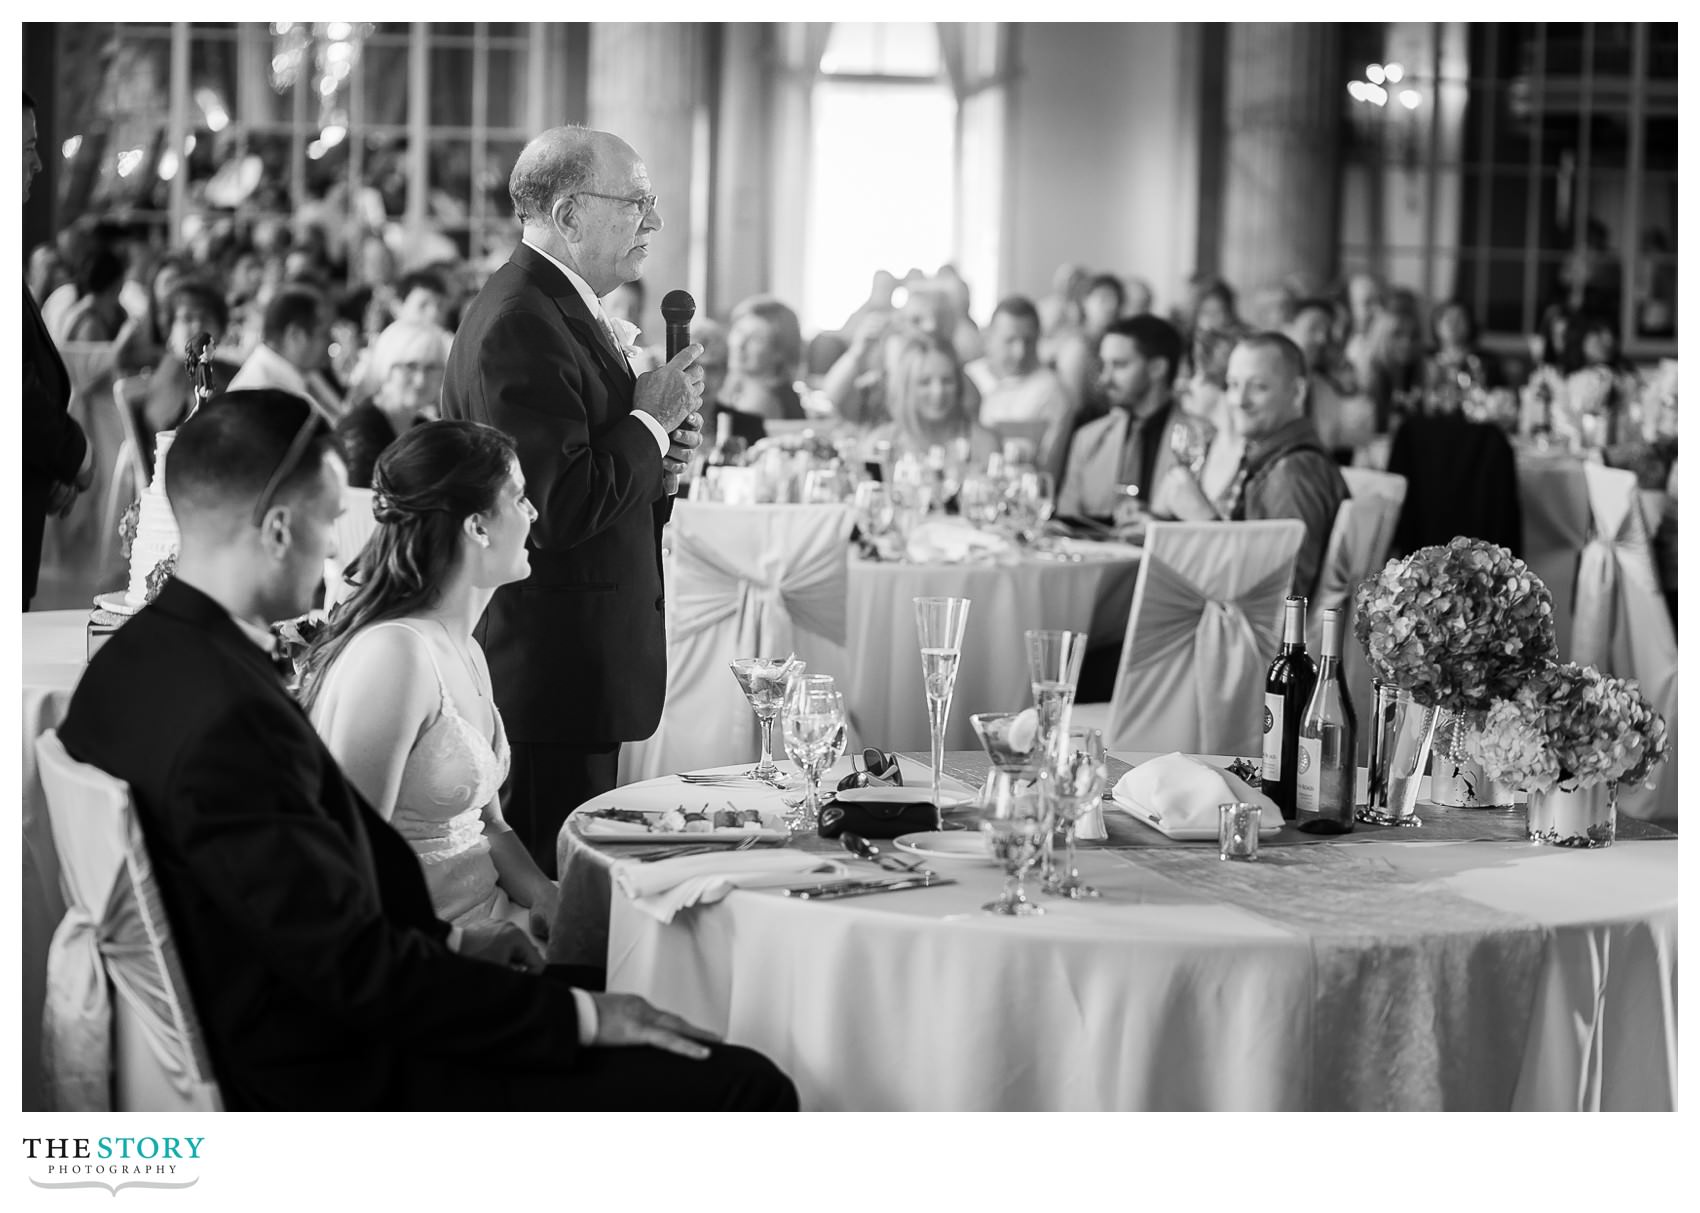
{"x": 1574, "y": 817}
{"x": 1404, "y": 731}
{"x": 1459, "y": 781}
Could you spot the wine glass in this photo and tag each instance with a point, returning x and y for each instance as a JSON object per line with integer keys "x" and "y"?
{"x": 940, "y": 623}
{"x": 1189, "y": 447}
{"x": 814, "y": 737}
{"x": 981, "y": 499}
{"x": 1070, "y": 787}
{"x": 874, "y": 508}
{"x": 763, "y": 681}
{"x": 1014, "y": 826}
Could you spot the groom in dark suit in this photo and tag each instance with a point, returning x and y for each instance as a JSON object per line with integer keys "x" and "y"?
{"x": 321, "y": 977}
{"x": 578, "y": 651}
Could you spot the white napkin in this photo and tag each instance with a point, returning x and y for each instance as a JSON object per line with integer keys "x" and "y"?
{"x": 949, "y": 539}
{"x": 662, "y": 888}
{"x": 1179, "y": 795}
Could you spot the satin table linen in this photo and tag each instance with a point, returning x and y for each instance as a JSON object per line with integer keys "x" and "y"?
{"x": 55, "y": 650}
{"x": 886, "y": 698}
{"x": 1363, "y": 974}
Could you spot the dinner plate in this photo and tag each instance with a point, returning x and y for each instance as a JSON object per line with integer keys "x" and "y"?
{"x": 945, "y": 844}
{"x": 903, "y": 795}
{"x": 114, "y": 601}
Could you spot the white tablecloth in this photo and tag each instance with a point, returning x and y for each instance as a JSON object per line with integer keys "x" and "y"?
{"x": 886, "y": 694}
{"x": 1362, "y": 974}
{"x": 54, "y": 650}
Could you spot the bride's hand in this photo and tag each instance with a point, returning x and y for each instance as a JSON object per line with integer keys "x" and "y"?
{"x": 543, "y": 911}
{"x": 501, "y": 943}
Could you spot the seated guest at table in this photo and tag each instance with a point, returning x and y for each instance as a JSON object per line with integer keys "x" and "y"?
{"x": 422, "y": 297}
{"x": 163, "y": 278}
{"x": 1205, "y": 397}
{"x": 1074, "y": 350}
{"x": 714, "y": 360}
{"x": 1285, "y": 472}
{"x": 1344, "y": 419}
{"x": 195, "y": 308}
{"x": 927, "y": 411}
{"x": 1018, "y": 397}
{"x": 407, "y": 360}
{"x": 294, "y": 345}
{"x": 1134, "y": 444}
{"x": 320, "y": 975}
{"x": 97, "y": 315}
{"x": 397, "y": 686}
{"x": 1393, "y": 378}
{"x": 1456, "y": 360}
{"x": 766, "y": 344}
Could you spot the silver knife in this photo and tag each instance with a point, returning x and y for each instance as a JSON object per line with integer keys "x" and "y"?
{"x": 857, "y": 888}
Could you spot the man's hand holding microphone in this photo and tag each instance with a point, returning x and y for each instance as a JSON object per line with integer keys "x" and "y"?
{"x": 672, "y": 394}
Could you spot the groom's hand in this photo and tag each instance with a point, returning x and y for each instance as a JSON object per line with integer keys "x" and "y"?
{"x": 626, "y": 1019}
{"x": 501, "y": 943}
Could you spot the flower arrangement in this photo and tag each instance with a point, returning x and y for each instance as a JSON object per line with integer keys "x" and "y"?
{"x": 1458, "y": 626}
{"x": 1571, "y": 725}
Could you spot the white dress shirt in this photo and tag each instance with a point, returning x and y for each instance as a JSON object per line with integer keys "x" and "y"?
{"x": 595, "y": 306}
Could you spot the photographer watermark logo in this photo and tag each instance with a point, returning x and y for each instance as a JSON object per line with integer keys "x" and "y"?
{"x": 113, "y": 1163}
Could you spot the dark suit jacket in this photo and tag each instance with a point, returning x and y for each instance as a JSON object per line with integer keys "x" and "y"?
{"x": 578, "y": 651}
{"x": 320, "y": 974}
{"x": 53, "y": 442}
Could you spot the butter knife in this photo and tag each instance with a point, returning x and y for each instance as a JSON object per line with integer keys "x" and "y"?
{"x": 858, "y": 888}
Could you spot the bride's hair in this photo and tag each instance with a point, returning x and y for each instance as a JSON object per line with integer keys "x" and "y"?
{"x": 425, "y": 485}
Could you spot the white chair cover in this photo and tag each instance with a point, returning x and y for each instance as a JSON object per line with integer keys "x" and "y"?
{"x": 1357, "y": 548}
{"x": 143, "y": 1051}
{"x": 1206, "y": 620}
{"x": 1554, "y": 497}
{"x": 351, "y": 532}
{"x": 1622, "y": 624}
{"x": 745, "y": 581}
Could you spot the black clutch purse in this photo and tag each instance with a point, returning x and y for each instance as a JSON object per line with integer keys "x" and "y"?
{"x": 874, "y": 819}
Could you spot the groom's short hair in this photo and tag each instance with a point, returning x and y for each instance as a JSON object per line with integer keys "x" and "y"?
{"x": 224, "y": 455}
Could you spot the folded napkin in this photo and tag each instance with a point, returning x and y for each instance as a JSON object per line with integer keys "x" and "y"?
{"x": 1179, "y": 795}
{"x": 662, "y": 888}
{"x": 950, "y": 539}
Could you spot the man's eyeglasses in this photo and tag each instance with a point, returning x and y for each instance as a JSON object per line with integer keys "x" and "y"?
{"x": 312, "y": 428}
{"x": 645, "y": 204}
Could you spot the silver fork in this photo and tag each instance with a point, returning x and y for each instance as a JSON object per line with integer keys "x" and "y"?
{"x": 704, "y": 849}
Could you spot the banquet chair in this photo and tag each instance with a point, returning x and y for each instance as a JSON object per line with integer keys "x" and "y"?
{"x": 353, "y": 528}
{"x": 1554, "y": 495}
{"x": 745, "y": 581}
{"x": 1205, "y": 623}
{"x": 129, "y": 466}
{"x": 1357, "y": 548}
{"x": 1622, "y": 625}
{"x": 118, "y": 1030}
{"x": 1461, "y": 480}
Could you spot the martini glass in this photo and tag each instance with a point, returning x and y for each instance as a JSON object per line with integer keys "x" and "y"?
{"x": 763, "y": 681}
{"x": 940, "y": 623}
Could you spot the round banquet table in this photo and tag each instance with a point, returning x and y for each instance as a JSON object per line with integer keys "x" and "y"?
{"x": 55, "y": 651}
{"x": 1357, "y": 973}
{"x": 1092, "y": 595}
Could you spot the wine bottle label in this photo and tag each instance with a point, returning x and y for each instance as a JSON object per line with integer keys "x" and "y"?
{"x": 1309, "y": 779}
{"x": 1273, "y": 710}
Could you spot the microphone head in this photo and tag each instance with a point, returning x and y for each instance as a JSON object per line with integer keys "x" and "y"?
{"x": 677, "y": 307}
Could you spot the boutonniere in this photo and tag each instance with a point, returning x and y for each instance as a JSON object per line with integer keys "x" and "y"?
{"x": 625, "y": 336}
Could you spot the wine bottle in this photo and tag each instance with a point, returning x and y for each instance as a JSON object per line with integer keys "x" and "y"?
{"x": 1328, "y": 743}
{"x": 1286, "y": 692}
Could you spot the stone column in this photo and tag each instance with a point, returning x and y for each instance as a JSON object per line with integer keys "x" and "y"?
{"x": 647, "y": 85}
{"x": 1281, "y": 184}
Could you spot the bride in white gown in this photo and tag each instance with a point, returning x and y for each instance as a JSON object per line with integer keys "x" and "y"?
{"x": 398, "y": 687}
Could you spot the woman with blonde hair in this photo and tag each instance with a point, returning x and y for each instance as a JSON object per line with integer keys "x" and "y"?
{"x": 927, "y": 396}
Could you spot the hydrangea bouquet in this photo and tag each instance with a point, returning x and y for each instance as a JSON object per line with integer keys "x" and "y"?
{"x": 1571, "y": 726}
{"x": 1457, "y": 626}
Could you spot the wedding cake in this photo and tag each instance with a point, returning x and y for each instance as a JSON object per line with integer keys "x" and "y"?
{"x": 156, "y": 531}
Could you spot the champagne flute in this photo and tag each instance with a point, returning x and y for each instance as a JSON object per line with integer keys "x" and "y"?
{"x": 940, "y": 623}
{"x": 764, "y": 681}
{"x": 1014, "y": 824}
{"x": 1070, "y": 787}
{"x": 1054, "y": 659}
{"x": 814, "y": 737}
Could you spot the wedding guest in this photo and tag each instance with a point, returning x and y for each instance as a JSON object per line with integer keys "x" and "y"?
{"x": 1134, "y": 444}
{"x": 714, "y": 362}
{"x": 1075, "y": 351}
{"x": 195, "y": 308}
{"x": 1217, "y": 311}
{"x": 1393, "y": 375}
{"x": 1456, "y": 357}
{"x": 1344, "y": 419}
{"x": 97, "y": 315}
{"x": 422, "y": 297}
{"x": 319, "y": 972}
{"x": 167, "y": 274}
{"x": 399, "y": 689}
{"x": 1365, "y": 298}
{"x": 602, "y": 451}
{"x": 47, "y": 272}
{"x": 1206, "y": 398}
{"x": 965, "y": 335}
{"x": 1139, "y": 300}
{"x": 407, "y": 360}
{"x": 295, "y": 342}
{"x": 1285, "y": 472}
{"x": 766, "y": 343}
{"x": 58, "y": 457}
{"x": 927, "y": 405}
{"x": 1017, "y": 395}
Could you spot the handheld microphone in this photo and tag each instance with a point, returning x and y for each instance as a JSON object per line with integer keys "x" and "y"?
{"x": 677, "y": 308}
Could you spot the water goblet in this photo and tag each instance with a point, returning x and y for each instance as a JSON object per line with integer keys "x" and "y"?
{"x": 981, "y": 499}
{"x": 874, "y": 508}
{"x": 1014, "y": 824}
{"x": 940, "y": 623}
{"x": 763, "y": 681}
{"x": 814, "y": 732}
{"x": 1071, "y": 786}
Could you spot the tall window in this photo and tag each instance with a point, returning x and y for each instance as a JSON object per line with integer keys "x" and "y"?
{"x": 882, "y": 166}
{"x": 1519, "y": 165}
